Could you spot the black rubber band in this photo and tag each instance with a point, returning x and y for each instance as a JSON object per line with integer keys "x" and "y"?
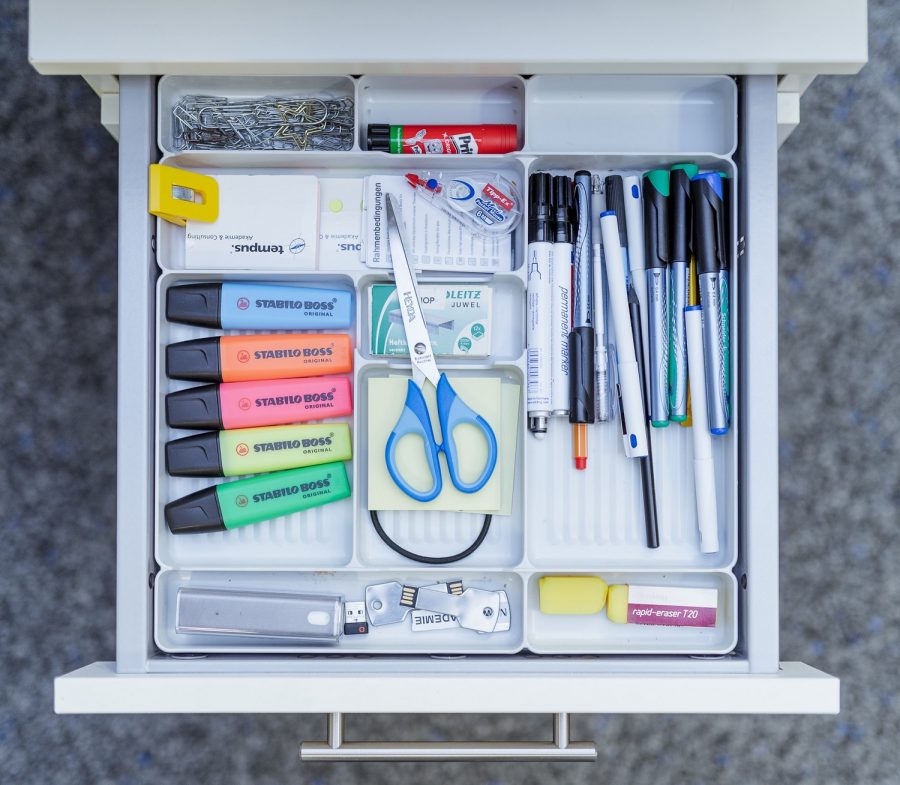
{"x": 430, "y": 559}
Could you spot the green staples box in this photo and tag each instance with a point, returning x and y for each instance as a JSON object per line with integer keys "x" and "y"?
{"x": 458, "y": 318}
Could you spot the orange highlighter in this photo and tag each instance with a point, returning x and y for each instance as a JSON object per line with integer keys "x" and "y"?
{"x": 242, "y": 358}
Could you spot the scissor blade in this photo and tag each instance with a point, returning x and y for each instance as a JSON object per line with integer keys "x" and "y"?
{"x": 420, "y": 352}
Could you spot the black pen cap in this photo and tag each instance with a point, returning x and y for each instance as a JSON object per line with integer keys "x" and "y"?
{"x": 726, "y": 214}
{"x": 195, "y": 407}
{"x": 562, "y": 209}
{"x": 539, "y": 209}
{"x": 615, "y": 202}
{"x": 195, "y": 513}
{"x": 378, "y": 137}
{"x": 195, "y": 303}
{"x": 680, "y": 220}
{"x": 194, "y": 456}
{"x": 709, "y": 226}
{"x": 655, "y": 189}
{"x": 195, "y": 361}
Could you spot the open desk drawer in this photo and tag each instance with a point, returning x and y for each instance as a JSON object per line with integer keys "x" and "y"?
{"x": 538, "y": 668}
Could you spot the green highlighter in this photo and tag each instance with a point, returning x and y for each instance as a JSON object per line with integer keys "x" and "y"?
{"x": 254, "y": 499}
{"x": 257, "y": 450}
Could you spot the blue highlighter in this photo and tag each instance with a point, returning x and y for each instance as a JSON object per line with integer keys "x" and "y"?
{"x": 243, "y": 305}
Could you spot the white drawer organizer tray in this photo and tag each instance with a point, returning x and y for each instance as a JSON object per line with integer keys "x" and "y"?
{"x": 563, "y": 521}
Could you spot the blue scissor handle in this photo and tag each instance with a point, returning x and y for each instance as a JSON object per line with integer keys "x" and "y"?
{"x": 452, "y": 411}
{"x": 415, "y": 419}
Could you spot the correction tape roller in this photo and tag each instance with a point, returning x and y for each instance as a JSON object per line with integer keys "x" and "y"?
{"x": 484, "y": 202}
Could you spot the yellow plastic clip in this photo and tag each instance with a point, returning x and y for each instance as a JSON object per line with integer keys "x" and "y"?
{"x": 179, "y": 196}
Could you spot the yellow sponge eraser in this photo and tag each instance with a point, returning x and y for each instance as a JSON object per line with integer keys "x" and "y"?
{"x": 572, "y": 595}
{"x": 617, "y": 604}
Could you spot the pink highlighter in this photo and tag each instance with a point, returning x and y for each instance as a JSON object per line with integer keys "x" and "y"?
{"x": 250, "y": 404}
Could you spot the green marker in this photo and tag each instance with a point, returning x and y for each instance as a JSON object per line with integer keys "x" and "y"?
{"x": 233, "y": 504}
{"x": 724, "y": 294}
{"x": 257, "y": 450}
{"x": 680, "y": 228}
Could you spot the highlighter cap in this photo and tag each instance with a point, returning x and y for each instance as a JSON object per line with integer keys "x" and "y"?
{"x": 195, "y": 361}
{"x": 194, "y": 456}
{"x": 195, "y": 407}
{"x": 196, "y": 303}
{"x": 196, "y": 513}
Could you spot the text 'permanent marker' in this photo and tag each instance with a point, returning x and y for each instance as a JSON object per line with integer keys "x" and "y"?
{"x": 241, "y": 305}
{"x": 238, "y": 503}
{"x": 257, "y": 450}
{"x": 250, "y": 404}
{"x": 561, "y": 295}
{"x": 238, "y": 358}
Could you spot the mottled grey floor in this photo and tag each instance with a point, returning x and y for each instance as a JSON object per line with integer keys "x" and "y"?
{"x": 840, "y": 610}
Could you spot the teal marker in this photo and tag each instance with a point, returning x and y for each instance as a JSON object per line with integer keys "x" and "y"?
{"x": 724, "y": 295}
{"x": 231, "y": 505}
{"x": 680, "y": 228}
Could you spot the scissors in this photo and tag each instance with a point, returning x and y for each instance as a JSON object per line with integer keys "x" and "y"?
{"x": 452, "y": 411}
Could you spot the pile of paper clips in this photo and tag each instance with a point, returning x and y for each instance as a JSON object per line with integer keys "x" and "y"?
{"x": 205, "y": 122}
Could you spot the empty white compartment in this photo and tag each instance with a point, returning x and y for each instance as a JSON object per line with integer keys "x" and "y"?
{"x": 631, "y": 114}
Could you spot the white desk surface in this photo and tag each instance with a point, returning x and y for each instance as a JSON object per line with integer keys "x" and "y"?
{"x": 364, "y": 36}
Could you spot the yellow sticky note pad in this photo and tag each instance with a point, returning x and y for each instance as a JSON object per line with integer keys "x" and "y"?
{"x": 486, "y": 395}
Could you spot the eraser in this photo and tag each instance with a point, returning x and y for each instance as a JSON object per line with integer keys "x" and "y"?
{"x": 663, "y": 606}
{"x": 572, "y": 595}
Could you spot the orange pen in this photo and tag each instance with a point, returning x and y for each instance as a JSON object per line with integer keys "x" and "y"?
{"x": 579, "y": 445}
{"x": 241, "y": 358}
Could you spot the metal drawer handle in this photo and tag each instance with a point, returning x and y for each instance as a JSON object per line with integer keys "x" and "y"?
{"x": 334, "y": 748}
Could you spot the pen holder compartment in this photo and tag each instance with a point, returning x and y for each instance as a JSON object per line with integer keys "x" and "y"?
{"x": 597, "y": 516}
